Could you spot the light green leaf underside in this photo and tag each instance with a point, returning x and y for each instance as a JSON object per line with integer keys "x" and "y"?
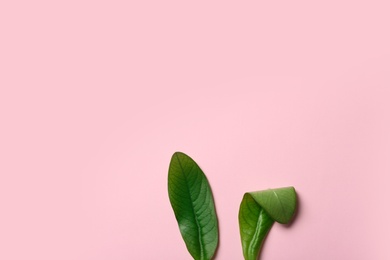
{"x": 192, "y": 202}
{"x": 278, "y": 203}
{"x": 258, "y": 211}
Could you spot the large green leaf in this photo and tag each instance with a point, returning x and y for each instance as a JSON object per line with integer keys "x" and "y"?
{"x": 254, "y": 226}
{"x": 258, "y": 211}
{"x": 192, "y": 202}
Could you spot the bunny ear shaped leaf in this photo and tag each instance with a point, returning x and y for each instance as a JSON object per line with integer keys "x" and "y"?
{"x": 192, "y": 202}
{"x": 258, "y": 211}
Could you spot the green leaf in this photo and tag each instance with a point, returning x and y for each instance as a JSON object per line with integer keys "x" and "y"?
{"x": 254, "y": 226}
{"x": 258, "y": 211}
{"x": 192, "y": 202}
{"x": 279, "y": 203}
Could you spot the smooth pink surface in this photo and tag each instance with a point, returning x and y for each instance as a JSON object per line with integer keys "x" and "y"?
{"x": 95, "y": 96}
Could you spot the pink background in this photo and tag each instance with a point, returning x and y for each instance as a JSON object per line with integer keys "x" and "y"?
{"x": 95, "y": 96}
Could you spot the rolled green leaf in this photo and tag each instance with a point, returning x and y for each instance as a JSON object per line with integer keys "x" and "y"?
{"x": 258, "y": 211}
{"x": 193, "y": 204}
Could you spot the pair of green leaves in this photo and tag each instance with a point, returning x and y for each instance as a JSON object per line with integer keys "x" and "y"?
{"x": 193, "y": 204}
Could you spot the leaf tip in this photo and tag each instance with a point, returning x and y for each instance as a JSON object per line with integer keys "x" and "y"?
{"x": 179, "y": 154}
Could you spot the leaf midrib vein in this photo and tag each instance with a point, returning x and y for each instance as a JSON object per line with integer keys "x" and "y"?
{"x": 193, "y": 210}
{"x": 256, "y": 234}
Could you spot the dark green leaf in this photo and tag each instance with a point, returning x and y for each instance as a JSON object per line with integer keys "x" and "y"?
{"x": 258, "y": 211}
{"x": 192, "y": 202}
{"x": 254, "y": 226}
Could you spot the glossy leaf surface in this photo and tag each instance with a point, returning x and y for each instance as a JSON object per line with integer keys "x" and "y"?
{"x": 258, "y": 211}
{"x": 193, "y": 204}
{"x": 255, "y": 224}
